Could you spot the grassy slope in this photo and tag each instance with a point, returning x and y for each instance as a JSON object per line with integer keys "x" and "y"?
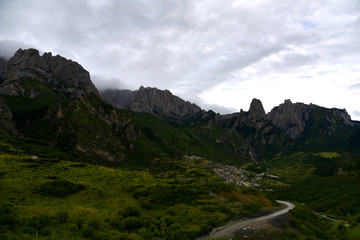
{"x": 312, "y": 178}
{"x": 90, "y": 124}
{"x": 172, "y": 200}
{"x": 161, "y": 137}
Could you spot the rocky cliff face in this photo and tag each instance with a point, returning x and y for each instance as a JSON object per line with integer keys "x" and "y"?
{"x": 7, "y": 126}
{"x": 62, "y": 75}
{"x": 296, "y": 118}
{"x": 293, "y": 123}
{"x": 162, "y": 104}
{"x": 256, "y": 112}
{"x": 2, "y": 63}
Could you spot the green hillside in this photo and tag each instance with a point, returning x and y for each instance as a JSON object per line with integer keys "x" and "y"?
{"x": 43, "y": 197}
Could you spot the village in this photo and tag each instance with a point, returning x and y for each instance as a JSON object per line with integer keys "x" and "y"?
{"x": 232, "y": 174}
{"x": 236, "y": 175}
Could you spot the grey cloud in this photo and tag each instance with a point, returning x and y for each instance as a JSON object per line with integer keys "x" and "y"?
{"x": 103, "y": 82}
{"x": 8, "y": 48}
{"x": 355, "y": 86}
{"x": 218, "y": 109}
{"x": 356, "y": 113}
{"x": 186, "y": 46}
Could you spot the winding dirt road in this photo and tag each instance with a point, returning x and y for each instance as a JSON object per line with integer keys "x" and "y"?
{"x": 230, "y": 229}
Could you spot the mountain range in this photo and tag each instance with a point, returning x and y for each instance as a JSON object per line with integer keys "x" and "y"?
{"x": 53, "y": 98}
{"x": 82, "y": 163}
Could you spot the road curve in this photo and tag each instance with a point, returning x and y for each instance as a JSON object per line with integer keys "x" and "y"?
{"x": 228, "y": 230}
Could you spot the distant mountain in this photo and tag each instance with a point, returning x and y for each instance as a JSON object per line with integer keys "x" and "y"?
{"x": 295, "y": 124}
{"x": 287, "y": 125}
{"x": 162, "y": 104}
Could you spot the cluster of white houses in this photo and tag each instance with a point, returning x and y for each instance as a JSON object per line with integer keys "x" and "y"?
{"x": 236, "y": 175}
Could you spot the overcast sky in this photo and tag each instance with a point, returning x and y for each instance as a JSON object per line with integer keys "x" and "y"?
{"x": 218, "y": 54}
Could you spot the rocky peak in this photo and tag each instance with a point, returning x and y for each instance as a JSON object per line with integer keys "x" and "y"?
{"x": 290, "y": 117}
{"x": 161, "y": 103}
{"x": 61, "y": 74}
{"x": 256, "y": 109}
{"x": 255, "y": 113}
{"x": 295, "y": 118}
{"x": 342, "y": 113}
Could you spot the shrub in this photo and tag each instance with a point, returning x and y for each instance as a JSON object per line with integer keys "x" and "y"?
{"x": 8, "y": 216}
{"x": 88, "y": 232}
{"x": 116, "y": 223}
{"x": 73, "y": 228}
{"x": 122, "y": 236}
{"x": 9, "y": 220}
{"x": 28, "y": 230}
{"x": 79, "y": 222}
{"x": 131, "y": 212}
{"x": 171, "y": 211}
{"x": 61, "y": 216}
{"x": 94, "y": 224}
{"x": 59, "y": 188}
{"x": 45, "y": 231}
{"x": 146, "y": 204}
{"x": 131, "y": 223}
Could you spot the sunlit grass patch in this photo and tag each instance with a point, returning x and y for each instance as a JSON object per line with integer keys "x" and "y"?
{"x": 328, "y": 154}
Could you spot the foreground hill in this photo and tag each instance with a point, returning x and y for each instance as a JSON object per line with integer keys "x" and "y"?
{"x": 47, "y": 198}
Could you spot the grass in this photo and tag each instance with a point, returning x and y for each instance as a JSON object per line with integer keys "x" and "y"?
{"x": 170, "y": 199}
{"x": 312, "y": 178}
{"x": 328, "y": 154}
{"x": 354, "y": 233}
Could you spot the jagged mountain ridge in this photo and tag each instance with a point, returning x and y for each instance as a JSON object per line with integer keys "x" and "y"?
{"x": 162, "y": 104}
{"x": 54, "y": 99}
{"x": 64, "y": 109}
{"x": 283, "y": 125}
{"x": 295, "y": 124}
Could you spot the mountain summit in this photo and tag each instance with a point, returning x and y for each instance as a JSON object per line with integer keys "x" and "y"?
{"x": 60, "y": 74}
{"x": 161, "y": 103}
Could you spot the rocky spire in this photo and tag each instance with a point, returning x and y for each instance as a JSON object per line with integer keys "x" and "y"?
{"x": 256, "y": 109}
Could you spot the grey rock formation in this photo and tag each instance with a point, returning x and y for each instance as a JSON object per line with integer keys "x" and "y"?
{"x": 293, "y": 123}
{"x": 7, "y": 127}
{"x": 2, "y": 63}
{"x": 161, "y": 103}
{"x": 292, "y": 118}
{"x": 295, "y": 118}
{"x": 62, "y": 75}
{"x": 256, "y": 112}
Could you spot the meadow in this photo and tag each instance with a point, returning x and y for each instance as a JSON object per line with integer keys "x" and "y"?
{"x": 43, "y": 195}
